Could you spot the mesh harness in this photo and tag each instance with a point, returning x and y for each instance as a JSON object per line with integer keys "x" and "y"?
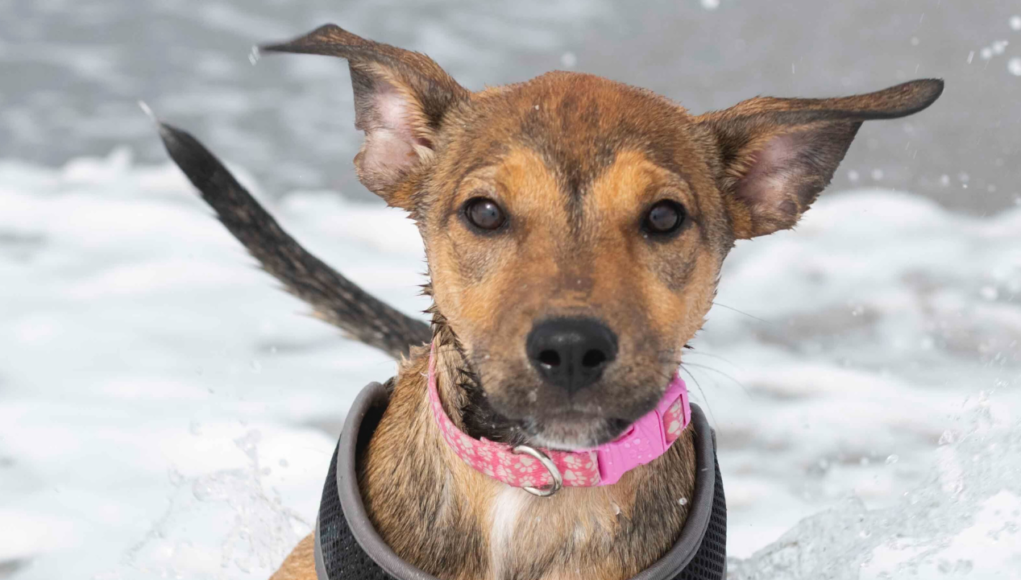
{"x": 347, "y": 547}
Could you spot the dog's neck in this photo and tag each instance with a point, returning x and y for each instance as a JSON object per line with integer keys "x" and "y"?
{"x": 413, "y": 484}
{"x": 462, "y": 394}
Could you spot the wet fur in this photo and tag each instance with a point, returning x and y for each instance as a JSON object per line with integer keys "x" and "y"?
{"x": 333, "y": 298}
{"x": 408, "y": 474}
{"x": 577, "y": 160}
{"x": 576, "y": 534}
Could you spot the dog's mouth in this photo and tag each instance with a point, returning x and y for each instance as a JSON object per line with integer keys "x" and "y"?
{"x": 573, "y": 428}
{"x": 573, "y": 431}
{"x": 564, "y": 431}
{"x": 517, "y": 407}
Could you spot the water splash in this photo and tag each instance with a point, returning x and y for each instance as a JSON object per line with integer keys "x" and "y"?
{"x": 255, "y": 536}
{"x": 963, "y": 522}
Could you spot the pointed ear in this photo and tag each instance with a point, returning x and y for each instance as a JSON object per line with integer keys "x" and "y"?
{"x": 777, "y": 155}
{"x": 400, "y": 99}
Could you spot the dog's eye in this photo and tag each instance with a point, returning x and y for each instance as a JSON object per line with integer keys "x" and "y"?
{"x": 666, "y": 217}
{"x": 484, "y": 214}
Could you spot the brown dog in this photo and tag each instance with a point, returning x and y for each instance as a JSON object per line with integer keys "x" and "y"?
{"x": 566, "y": 210}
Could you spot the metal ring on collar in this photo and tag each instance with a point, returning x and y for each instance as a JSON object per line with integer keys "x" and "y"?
{"x": 558, "y": 480}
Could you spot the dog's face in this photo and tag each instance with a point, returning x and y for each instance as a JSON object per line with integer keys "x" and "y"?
{"x": 575, "y": 227}
{"x": 574, "y": 248}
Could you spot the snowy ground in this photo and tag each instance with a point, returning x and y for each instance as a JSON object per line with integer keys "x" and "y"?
{"x": 166, "y": 412}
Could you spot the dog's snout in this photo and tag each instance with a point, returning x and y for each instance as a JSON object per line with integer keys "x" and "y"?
{"x": 571, "y": 353}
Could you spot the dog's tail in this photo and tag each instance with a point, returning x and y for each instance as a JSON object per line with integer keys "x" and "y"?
{"x": 333, "y": 298}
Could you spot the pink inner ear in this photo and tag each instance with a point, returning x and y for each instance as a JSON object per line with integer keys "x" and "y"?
{"x": 769, "y": 186}
{"x": 389, "y": 137}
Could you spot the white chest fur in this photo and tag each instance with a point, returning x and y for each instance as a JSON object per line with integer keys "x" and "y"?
{"x": 507, "y": 510}
{"x": 525, "y": 529}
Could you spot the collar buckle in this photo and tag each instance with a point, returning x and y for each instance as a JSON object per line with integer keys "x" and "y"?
{"x": 646, "y": 440}
{"x": 554, "y": 472}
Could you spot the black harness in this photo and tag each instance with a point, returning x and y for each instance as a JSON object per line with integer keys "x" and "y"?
{"x": 347, "y": 547}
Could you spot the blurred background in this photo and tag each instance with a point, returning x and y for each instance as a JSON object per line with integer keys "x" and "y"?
{"x": 167, "y": 412}
{"x": 72, "y": 71}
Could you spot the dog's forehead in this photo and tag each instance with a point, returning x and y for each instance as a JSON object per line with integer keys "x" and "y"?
{"x": 578, "y": 124}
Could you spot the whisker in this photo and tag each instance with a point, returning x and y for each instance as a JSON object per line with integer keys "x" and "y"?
{"x": 717, "y": 371}
{"x": 704, "y": 399}
{"x": 717, "y": 357}
{"x": 739, "y": 311}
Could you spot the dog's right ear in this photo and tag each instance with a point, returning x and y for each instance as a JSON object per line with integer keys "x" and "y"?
{"x": 401, "y": 98}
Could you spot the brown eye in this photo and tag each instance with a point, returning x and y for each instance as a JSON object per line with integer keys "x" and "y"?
{"x": 484, "y": 214}
{"x": 664, "y": 218}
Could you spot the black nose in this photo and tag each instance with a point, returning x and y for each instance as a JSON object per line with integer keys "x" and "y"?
{"x": 571, "y": 353}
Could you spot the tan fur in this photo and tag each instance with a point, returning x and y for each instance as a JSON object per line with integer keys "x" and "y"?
{"x": 604, "y": 528}
{"x": 300, "y": 564}
{"x": 407, "y": 455}
{"x": 575, "y": 162}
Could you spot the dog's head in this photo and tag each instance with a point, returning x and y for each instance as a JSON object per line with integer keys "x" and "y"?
{"x": 575, "y": 227}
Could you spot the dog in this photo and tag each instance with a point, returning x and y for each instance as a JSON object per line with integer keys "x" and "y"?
{"x": 574, "y": 228}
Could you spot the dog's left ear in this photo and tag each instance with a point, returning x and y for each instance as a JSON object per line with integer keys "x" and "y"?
{"x": 401, "y": 98}
{"x": 777, "y": 155}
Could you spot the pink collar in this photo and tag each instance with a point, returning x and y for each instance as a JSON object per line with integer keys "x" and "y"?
{"x": 543, "y": 471}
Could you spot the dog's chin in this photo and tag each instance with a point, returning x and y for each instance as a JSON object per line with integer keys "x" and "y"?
{"x": 574, "y": 431}
{"x": 551, "y": 420}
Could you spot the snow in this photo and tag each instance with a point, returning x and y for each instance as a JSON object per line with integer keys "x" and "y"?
{"x": 1014, "y": 66}
{"x": 995, "y": 49}
{"x": 166, "y": 411}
